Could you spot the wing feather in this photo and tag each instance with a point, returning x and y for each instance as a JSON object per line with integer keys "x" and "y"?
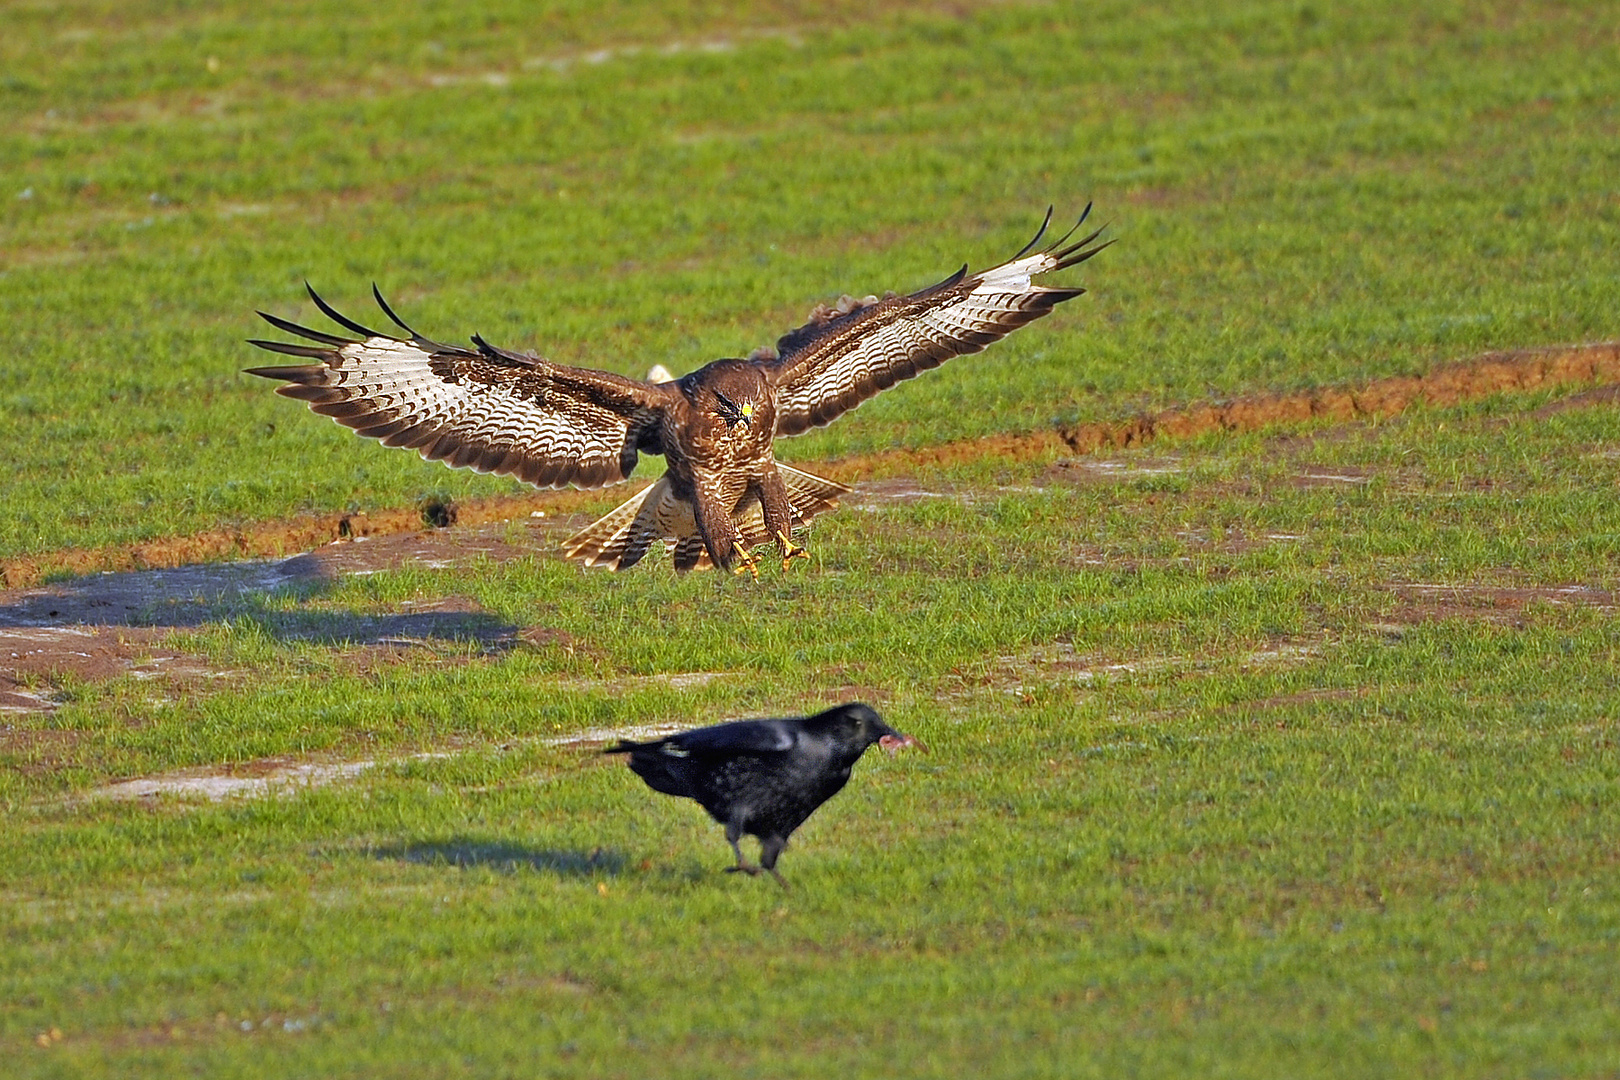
{"x": 844, "y": 356}
{"x": 486, "y": 408}
{"x": 737, "y": 737}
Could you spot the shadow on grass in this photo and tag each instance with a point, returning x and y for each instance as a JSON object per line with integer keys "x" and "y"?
{"x": 464, "y": 854}
{"x": 193, "y": 596}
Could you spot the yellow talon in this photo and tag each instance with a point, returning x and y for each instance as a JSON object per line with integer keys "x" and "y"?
{"x": 745, "y": 561}
{"x": 790, "y": 550}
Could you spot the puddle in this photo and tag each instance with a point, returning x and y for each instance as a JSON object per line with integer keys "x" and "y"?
{"x": 1114, "y": 471}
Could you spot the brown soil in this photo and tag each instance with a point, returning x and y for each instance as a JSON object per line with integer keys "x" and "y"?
{"x": 107, "y": 624}
{"x": 1418, "y": 603}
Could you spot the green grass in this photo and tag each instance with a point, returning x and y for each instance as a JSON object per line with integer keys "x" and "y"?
{"x": 1238, "y": 769}
{"x": 1298, "y": 819}
{"x": 1303, "y": 194}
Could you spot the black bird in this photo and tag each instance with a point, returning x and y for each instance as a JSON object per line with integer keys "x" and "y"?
{"x": 763, "y": 777}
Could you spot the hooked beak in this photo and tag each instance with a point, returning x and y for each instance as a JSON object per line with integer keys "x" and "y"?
{"x": 893, "y": 744}
{"x": 747, "y": 413}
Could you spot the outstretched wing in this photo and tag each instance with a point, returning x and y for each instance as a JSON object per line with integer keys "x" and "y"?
{"x": 485, "y": 408}
{"x": 845, "y": 355}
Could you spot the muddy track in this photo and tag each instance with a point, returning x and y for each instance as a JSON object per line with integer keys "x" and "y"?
{"x": 1493, "y": 373}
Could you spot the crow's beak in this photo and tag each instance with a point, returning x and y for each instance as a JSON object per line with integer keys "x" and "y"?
{"x": 897, "y": 742}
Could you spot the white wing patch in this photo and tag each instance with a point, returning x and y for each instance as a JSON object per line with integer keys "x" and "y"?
{"x": 838, "y": 361}
{"x": 487, "y": 410}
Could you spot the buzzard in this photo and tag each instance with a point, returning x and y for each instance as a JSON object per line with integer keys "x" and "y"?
{"x": 724, "y": 493}
{"x": 763, "y": 777}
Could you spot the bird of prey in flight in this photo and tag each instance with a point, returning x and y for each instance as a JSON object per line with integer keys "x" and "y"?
{"x": 724, "y": 493}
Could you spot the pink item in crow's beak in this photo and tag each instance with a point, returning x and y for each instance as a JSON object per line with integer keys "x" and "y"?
{"x": 895, "y": 743}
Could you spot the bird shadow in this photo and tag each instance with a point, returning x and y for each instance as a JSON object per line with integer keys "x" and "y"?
{"x": 463, "y": 853}
{"x": 271, "y": 594}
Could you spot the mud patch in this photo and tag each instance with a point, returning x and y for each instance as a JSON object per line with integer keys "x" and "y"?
{"x": 280, "y": 777}
{"x": 1418, "y": 603}
{"x": 1337, "y": 476}
{"x": 1603, "y": 395}
{"x": 109, "y": 624}
{"x": 901, "y": 491}
{"x": 602, "y": 736}
{"x": 1085, "y": 471}
{"x": 1058, "y": 664}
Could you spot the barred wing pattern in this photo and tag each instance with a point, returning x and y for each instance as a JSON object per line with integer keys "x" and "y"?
{"x": 485, "y": 409}
{"x": 839, "y": 359}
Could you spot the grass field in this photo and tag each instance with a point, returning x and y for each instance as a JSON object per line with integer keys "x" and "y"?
{"x": 1289, "y": 752}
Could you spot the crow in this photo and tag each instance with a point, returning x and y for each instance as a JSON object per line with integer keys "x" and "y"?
{"x": 763, "y": 777}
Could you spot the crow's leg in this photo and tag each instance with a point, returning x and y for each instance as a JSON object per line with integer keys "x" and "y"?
{"x": 769, "y": 848}
{"x": 734, "y": 834}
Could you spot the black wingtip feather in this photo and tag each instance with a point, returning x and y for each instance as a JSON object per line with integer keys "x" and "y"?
{"x": 388, "y": 311}
{"x": 1060, "y": 241}
{"x": 291, "y": 327}
{"x": 301, "y": 373}
{"x": 1025, "y": 250}
{"x": 342, "y": 320}
{"x": 1067, "y": 259}
{"x": 289, "y": 349}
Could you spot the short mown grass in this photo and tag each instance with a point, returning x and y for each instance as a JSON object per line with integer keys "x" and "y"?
{"x": 1303, "y": 194}
{"x": 1289, "y": 753}
{"x": 1235, "y": 769}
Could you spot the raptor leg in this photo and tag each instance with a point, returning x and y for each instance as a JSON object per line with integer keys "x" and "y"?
{"x": 778, "y": 510}
{"x": 746, "y": 561}
{"x": 790, "y": 550}
{"x": 719, "y": 533}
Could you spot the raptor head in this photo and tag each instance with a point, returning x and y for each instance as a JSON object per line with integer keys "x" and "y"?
{"x": 733, "y": 413}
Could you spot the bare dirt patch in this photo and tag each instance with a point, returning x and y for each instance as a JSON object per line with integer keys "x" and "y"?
{"x": 108, "y": 624}
{"x": 1058, "y": 663}
{"x": 251, "y": 779}
{"x": 1418, "y": 603}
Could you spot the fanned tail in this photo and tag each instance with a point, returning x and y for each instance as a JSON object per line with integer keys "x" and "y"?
{"x": 622, "y": 538}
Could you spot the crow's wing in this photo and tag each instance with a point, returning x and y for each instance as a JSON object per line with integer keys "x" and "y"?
{"x": 738, "y": 737}
{"x": 845, "y": 355}
{"x": 482, "y": 408}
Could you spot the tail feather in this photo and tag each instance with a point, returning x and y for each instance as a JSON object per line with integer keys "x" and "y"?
{"x": 622, "y": 538}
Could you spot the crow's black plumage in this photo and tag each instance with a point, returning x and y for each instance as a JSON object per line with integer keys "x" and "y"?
{"x": 763, "y": 777}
